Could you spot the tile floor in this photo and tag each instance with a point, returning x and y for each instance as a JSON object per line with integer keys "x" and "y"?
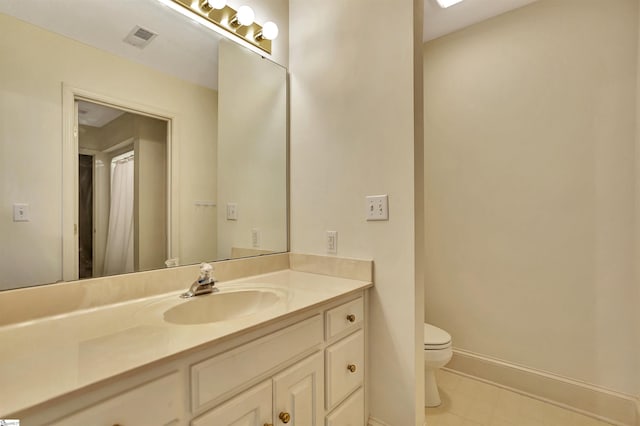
{"x": 468, "y": 402}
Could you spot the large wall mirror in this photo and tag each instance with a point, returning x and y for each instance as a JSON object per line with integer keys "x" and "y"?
{"x": 132, "y": 138}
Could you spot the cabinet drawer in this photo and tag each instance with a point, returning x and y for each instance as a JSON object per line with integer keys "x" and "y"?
{"x": 350, "y": 413}
{"x": 252, "y": 407}
{"x": 344, "y": 317}
{"x": 345, "y": 368}
{"x": 154, "y": 403}
{"x": 223, "y": 375}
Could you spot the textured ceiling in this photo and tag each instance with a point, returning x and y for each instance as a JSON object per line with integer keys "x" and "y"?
{"x": 182, "y": 48}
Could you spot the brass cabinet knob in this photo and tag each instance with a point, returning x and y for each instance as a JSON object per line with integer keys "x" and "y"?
{"x": 351, "y": 318}
{"x": 285, "y": 417}
{"x": 351, "y": 367}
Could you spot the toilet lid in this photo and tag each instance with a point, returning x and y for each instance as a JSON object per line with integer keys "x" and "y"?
{"x": 435, "y": 338}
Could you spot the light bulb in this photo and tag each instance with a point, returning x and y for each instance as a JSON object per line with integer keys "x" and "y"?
{"x": 245, "y": 16}
{"x": 217, "y": 4}
{"x": 447, "y": 3}
{"x": 270, "y": 30}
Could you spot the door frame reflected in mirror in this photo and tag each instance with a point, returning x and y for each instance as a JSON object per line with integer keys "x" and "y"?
{"x": 70, "y": 204}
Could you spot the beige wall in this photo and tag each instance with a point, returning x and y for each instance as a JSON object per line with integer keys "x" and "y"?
{"x": 530, "y": 132}
{"x": 116, "y": 131}
{"x": 252, "y": 150}
{"x": 150, "y": 194}
{"x": 352, "y": 135}
{"x": 31, "y": 149}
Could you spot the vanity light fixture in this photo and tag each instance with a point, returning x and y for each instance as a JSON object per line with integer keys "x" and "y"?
{"x": 269, "y": 31}
{"x": 208, "y": 5}
{"x": 245, "y": 16}
{"x": 240, "y": 23}
{"x": 446, "y": 3}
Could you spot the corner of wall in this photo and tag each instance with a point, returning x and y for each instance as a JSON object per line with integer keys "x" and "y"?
{"x": 419, "y": 218}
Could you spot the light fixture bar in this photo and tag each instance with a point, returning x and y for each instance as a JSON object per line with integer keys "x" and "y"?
{"x": 227, "y": 19}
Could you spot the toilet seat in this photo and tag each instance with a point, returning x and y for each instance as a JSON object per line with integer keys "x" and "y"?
{"x": 435, "y": 338}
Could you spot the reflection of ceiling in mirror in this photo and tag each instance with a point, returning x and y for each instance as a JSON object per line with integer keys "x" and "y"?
{"x": 439, "y": 21}
{"x": 182, "y": 48}
{"x": 96, "y": 115}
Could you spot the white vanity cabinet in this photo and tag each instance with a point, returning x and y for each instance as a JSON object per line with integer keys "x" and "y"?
{"x": 306, "y": 369}
{"x": 253, "y": 407}
{"x": 154, "y": 403}
{"x": 344, "y": 360}
{"x": 349, "y": 413}
{"x": 328, "y": 382}
{"x": 296, "y": 395}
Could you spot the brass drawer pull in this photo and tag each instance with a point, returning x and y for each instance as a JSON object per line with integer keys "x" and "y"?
{"x": 285, "y": 417}
{"x": 351, "y": 367}
{"x": 268, "y": 424}
{"x": 351, "y": 318}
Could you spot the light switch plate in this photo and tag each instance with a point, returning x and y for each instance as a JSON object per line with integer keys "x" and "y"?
{"x": 377, "y": 207}
{"x": 232, "y": 211}
{"x": 21, "y": 212}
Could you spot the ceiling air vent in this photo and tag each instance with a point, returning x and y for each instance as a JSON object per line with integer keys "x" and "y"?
{"x": 140, "y": 37}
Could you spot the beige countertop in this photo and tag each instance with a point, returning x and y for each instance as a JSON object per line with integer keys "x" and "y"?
{"x": 52, "y": 356}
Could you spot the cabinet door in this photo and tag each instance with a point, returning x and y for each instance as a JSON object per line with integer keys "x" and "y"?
{"x": 250, "y": 408}
{"x": 298, "y": 393}
{"x": 156, "y": 402}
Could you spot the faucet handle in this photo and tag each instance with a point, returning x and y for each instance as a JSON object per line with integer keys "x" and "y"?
{"x": 205, "y": 271}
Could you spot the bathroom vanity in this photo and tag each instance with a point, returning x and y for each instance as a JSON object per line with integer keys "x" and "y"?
{"x": 288, "y": 349}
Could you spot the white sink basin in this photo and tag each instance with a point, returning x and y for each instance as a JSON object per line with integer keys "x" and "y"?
{"x": 221, "y": 306}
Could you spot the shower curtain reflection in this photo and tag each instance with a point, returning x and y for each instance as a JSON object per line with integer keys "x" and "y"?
{"x": 119, "y": 250}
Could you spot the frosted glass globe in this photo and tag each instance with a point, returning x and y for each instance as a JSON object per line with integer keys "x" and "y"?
{"x": 246, "y": 15}
{"x": 217, "y": 4}
{"x": 270, "y": 30}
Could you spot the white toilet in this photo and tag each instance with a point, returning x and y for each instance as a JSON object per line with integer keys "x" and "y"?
{"x": 437, "y": 353}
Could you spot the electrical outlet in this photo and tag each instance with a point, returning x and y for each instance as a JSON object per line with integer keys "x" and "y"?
{"x": 255, "y": 238}
{"x": 21, "y": 213}
{"x": 332, "y": 242}
{"x": 377, "y": 207}
{"x": 232, "y": 211}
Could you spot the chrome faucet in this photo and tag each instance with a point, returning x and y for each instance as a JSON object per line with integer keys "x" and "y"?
{"x": 205, "y": 284}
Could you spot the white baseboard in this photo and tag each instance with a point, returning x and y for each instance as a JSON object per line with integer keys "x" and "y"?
{"x": 376, "y": 422}
{"x": 594, "y": 401}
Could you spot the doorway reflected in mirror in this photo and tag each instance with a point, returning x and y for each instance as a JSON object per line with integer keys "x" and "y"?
{"x": 122, "y": 191}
